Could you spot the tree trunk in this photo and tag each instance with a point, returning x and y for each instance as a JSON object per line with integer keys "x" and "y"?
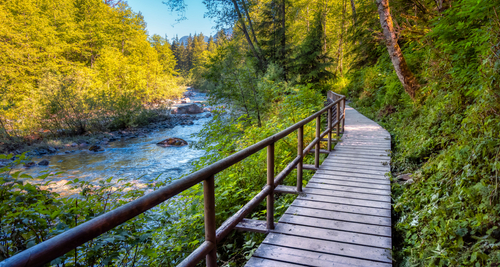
{"x": 251, "y": 27}
{"x": 247, "y": 36}
{"x": 406, "y": 77}
{"x": 283, "y": 39}
{"x": 355, "y": 20}
{"x": 340, "y": 64}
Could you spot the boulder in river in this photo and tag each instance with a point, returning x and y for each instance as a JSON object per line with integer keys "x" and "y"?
{"x": 189, "y": 109}
{"x": 43, "y": 163}
{"x": 172, "y": 142}
{"x": 29, "y": 164}
{"x": 95, "y": 148}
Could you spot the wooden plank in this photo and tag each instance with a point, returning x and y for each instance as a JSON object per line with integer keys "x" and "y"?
{"x": 334, "y": 157}
{"x": 349, "y": 178}
{"x": 380, "y": 157}
{"x": 379, "y": 145}
{"x": 343, "y": 216}
{"x": 360, "y": 161}
{"x": 363, "y": 153}
{"x": 259, "y": 262}
{"x": 365, "y": 164}
{"x": 337, "y": 225}
{"x": 334, "y": 235}
{"x": 330, "y": 247}
{"x": 250, "y": 225}
{"x": 341, "y": 200}
{"x": 362, "y": 196}
{"x": 318, "y": 179}
{"x": 352, "y": 174}
{"x": 310, "y": 258}
{"x": 320, "y": 185}
{"x": 341, "y": 207}
{"x": 339, "y": 216}
{"x": 352, "y": 170}
{"x": 362, "y": 149}
{"x": 357, "y": 166}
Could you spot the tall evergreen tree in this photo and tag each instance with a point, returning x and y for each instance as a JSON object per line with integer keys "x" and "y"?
{"x": 311, "y": 61}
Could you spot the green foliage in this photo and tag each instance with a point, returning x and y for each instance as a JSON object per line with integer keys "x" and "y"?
{"x": 311, "y": 62}
{"x": 31, "y": 213}
{"x": 448, "y": 138}
{"x": 75, "y": 66}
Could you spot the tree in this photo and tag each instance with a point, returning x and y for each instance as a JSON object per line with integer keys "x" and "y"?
{"x": 403, "y": 72}
{"x": 311, "y": 62}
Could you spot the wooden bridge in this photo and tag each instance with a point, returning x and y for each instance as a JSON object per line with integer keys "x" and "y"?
{"x": 343, "y": 216}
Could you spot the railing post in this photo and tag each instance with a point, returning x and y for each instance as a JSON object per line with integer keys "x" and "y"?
{"x": 300, "y": 153}
{"x": 316, "y": 150}
{"x": 338, "y": 121}
{"x": 329, "y": 125}
{"x": 210, "y": 227}
{"x": 343, "y": 115}
{"x": 270, "y": 182}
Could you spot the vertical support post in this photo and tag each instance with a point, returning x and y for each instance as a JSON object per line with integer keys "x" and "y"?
{"x": 343, "y": 117}
{"x": 329, "y": 125}
{"x": 316, "y": 149}
{"x": 338, "y": 121}
{"x": 270, "y": 182}
{"x": 210, "y": 227}
{"x": 300, "y": 153}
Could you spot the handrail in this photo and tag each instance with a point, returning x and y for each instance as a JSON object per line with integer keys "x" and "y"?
{"x": 61, "y": 244}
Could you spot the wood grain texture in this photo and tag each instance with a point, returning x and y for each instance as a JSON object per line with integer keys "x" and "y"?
{"x": 343, "y": 216}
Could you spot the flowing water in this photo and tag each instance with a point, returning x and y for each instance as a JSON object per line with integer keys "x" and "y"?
{"x": 137, "y": 160}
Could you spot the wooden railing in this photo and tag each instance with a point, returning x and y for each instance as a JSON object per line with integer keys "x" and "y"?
{"x": 69, "y": 240}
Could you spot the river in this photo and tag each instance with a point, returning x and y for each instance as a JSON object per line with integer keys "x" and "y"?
{"x": 138, "y": 161}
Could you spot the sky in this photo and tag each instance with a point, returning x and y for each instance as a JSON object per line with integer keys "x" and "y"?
{"x": 160, "y": 21}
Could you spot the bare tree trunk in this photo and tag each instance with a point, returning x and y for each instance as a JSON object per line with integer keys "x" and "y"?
{"x": 247, "y": 36}
{"x": 340, "y": 63}
{"x": 251, "y": 27}
{"x": 404, "y": 73}
{"x": 355, "y": 20}
{"x": 283, "y": 39}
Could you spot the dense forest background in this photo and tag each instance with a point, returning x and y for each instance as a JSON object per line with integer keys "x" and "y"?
{"x": 441, "y": 106}
{"x": 78, "y": 66}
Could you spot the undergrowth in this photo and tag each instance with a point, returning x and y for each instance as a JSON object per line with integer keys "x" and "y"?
{"x": 448, "y": 139}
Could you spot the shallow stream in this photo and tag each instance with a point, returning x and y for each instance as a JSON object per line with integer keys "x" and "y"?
{"x": 138, "y": 160}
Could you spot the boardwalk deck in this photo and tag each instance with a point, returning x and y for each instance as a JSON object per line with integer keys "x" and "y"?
{"x": 343, "y": 217}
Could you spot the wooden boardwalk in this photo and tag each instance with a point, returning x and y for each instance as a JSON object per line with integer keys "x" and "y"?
{"x": 343, "y": 216}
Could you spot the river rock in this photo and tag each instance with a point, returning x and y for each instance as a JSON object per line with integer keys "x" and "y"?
{"x": 74, "y": 145}
{"x": 41, "y": 151}
{"x": 52, "y": 149}
{"x": 95, "y": 148}
{"x": 43, "y": 163}
{"x": 189, "y": 109}
{"x": 29, "y": 164}
{"x": 172, "y": 142}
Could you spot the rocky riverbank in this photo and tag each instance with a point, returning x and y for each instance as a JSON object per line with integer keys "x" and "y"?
{"x": 47, "y": 144}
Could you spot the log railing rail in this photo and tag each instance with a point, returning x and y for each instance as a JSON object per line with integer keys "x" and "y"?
{"x": 59, "y": 245}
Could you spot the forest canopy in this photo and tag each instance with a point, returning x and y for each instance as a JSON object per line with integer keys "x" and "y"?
{"x": 77, "y": 66}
